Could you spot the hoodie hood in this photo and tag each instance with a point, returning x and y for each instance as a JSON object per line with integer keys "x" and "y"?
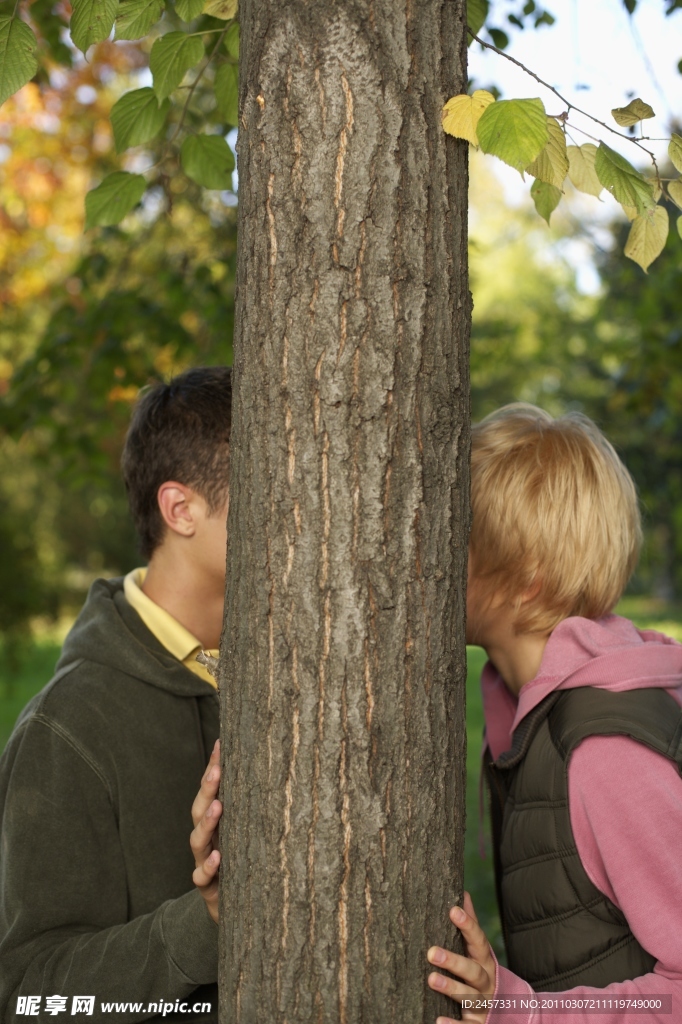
{"x": 610, "y": 653}
{"x": 108, "y": 632}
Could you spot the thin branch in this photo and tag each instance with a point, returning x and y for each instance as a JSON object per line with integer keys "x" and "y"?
{"x": 647, "y": 63}
{"x": 200, "y": 75}
{"x": 191, "y": 88}
{"x": 582, "y": 131}
{"x": 595, "y": 139}
{"x": 569, "y": 105}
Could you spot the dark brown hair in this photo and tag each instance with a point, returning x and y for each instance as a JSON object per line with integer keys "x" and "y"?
{"x": 179, "y": 431}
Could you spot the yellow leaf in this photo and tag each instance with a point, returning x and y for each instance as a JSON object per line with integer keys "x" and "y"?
{"x": 675, "y": 152}
{"x": 462, "y": 113}
{"x": 636, "y": 111}
{"x": 224, "y": 9}
{"x": 647, "y": 237}
{"x": 629, "y": 211}
{"x": 675, "y": 192}
{"x": 581, "y": 169}
{"x": 679, "y": 226}
{"x": 551, "y": 166}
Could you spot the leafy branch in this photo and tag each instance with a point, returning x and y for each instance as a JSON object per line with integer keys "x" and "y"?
{"x": 202, "y": 70}
{"x": 521, "y": 134}
{"x": 567, "y": 103}
{"x": 141, "y": 116}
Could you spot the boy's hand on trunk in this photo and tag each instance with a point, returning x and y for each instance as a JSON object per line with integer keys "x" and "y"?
{"x": 475, "y": 973}
{"x": 206, "y": 811}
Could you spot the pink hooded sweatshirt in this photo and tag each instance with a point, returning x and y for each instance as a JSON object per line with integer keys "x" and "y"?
{"x": 625, "y": 803}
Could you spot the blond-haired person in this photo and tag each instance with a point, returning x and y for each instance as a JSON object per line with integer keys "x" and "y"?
{"x": 583, "y": 738}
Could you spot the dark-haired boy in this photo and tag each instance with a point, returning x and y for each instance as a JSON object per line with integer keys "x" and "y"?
{"x": 98, "y": 779}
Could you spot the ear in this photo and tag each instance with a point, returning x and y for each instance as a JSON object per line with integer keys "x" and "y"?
{"x": 177, "y": 507}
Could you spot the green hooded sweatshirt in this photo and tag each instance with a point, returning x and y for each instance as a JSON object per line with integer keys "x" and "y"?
{"x": 96, "y": 788}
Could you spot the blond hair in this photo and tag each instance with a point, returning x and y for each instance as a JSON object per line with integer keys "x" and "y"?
{"x": 553, "y": 510}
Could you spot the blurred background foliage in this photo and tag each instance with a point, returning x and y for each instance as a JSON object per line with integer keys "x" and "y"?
{"x": 86, "y": 321}
{"x": 614, "y": 354}
{"x": 89, "y": 319}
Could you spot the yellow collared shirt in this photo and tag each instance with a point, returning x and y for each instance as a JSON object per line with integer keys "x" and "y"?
{"x": 177, "y": 640}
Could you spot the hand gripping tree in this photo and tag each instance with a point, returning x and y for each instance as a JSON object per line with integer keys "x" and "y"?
{"x": 343, "y": 648}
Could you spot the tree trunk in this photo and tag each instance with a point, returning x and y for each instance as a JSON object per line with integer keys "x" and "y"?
{"x": 343, "y": 650}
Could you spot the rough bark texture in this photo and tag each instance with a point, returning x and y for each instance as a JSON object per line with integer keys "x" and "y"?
{"x": 343, "y": 652}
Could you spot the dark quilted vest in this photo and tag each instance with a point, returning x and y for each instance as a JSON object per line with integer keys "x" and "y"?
{"x": 560, "y": 930}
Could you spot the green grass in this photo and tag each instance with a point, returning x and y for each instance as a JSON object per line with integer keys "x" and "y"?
{"x": 38, "y": 660}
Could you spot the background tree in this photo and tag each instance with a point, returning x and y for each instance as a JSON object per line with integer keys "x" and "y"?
{"x": 88, "y": 319}
{"x": 615, "y": 354}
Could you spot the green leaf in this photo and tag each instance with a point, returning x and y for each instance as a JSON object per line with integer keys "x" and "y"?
{"x": 17, "y": 63}
{"x": 647, "y": 237}
{"x": 208, "y": 160}
{"x": 514, "y": 130}
{"x": 500, "y": 38}
{"x": 223, "y": 9}
{"x": 637, "y": 110}
{"x": 172, "y": 55}
{"x": 679, "y": 226}
{"x": 477, "y": 12}
{"x": 227, "y": 92}
{"x": 137, "y": 118}
{"x": 231, "y": 41}
{"x": 620, "y": 178}
{"x": 551, "y": 165}
{"x": 188, "y": 10}
{"x": 136, "y": 17}
{"x": 675, "y": 152}
{"x": 675, "y": 192}
{"x": 546, "y": 198}
{"x": 92, "y": 21}
{"x": 581, "y": 169}
{"x": 113, "y": 199}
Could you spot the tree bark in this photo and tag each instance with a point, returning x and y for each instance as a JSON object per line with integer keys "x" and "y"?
{"x": 343, "y": 664}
